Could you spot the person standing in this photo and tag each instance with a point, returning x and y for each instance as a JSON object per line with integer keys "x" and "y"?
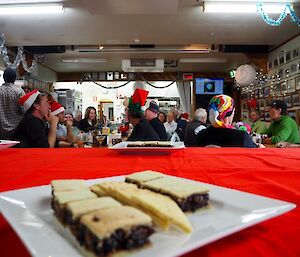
{"x": 10, "y": 110}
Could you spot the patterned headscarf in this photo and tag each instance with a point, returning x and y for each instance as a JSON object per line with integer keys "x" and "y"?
{"x": 220, "y": 106}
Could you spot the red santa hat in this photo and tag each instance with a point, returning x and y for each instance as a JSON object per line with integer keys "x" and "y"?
{"x": 56, "y": 108}
{"x": 185, "y": 115}
{"x": 28, "y": 99}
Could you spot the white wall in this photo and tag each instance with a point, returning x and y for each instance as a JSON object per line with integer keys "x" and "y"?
{"x": 1, "y": 77}
{"x": 92, "y": 94}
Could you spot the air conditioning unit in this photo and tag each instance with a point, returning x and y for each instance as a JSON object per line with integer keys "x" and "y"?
{"x": 149, "y": 65}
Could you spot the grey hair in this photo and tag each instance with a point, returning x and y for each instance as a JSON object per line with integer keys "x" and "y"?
{"x": 199, "y": 113}
{"x": 76, "y": 113}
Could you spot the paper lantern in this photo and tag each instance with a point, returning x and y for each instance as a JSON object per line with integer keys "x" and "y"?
{"x": 245, "y": 75}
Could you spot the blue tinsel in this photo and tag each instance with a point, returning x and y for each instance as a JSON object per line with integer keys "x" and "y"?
{"x": 288, "y": 9}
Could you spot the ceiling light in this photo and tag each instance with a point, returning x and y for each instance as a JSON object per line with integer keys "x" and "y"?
{"x": 31, "y": 9}
{"x": 101, "y": 47}
{"x": 84, "y": 60}
{"x": 239, "y": 7}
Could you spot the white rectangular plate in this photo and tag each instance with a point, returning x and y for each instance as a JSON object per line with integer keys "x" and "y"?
{"x": 7, "y": 143}
{"x": 122, "y": 148}
{"x": 29, "y": 213}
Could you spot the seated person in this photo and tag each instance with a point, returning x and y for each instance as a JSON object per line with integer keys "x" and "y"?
{"x": 170, "y": 125}
{"x": 221, "y": 132}
{"x": 151, "y": 115}
{"x": 69, "y": 118}
{"x": 77, "y": 117}
{"x": 257, "y": 126}
{"x": 33, "y": 131}
{"x": 162, "y": 117}
{"x": 283, "y": 128}
{"x": 90, "y": 120}
{"x": 142, "y": 130}
{"x": 193, "y": 128}
{"x": 181, "y": 124}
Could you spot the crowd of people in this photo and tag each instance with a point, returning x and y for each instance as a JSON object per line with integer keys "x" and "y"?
{"x": 37, "y": 120}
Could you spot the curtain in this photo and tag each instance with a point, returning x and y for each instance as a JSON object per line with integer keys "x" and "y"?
{"x": 184, "y": 91}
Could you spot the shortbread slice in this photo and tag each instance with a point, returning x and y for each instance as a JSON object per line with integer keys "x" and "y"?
{"x": 118, "y": 228}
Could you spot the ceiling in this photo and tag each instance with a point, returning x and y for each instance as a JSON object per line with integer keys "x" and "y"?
{"x": 159, "y": 22}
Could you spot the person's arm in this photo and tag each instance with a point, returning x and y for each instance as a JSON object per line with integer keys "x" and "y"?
{"x": 53, "y": 121}
{"x": 70, "y": 136}
{"x": 282, "y": 134}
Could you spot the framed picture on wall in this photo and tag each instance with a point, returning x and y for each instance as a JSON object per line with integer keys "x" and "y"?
{"x": 267, "y": 104}
{"x": 295, "y": 99}
{"x": 256, "y": 93}
{"x": 288, "y": 100}
{"x": 293, "y": 68}
{"x": 287, "y": 56}
{"x": 261, "y": 104}
{"x": 266, "y": 92}
{"x": 278, "y": 90}
{"x": 295, "y": 53}
{"x": 267, "y": 116}
{"x": 275, "y": 63}
{"x": 297, "y": 80}
{"x": 281, "y": 60}
{"x": 291, "y": 85}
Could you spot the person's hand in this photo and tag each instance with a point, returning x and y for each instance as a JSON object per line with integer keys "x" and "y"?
{"x": 52, "y": 119}
{"x": 261, "y": 146}
{"x": 282, "y": 144}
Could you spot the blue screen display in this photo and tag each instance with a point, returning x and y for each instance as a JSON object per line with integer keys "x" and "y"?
{"x": 209, "y": 86}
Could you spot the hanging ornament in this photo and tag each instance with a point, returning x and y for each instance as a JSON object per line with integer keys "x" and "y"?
{"x": 288, "y": 9}
{"x": 20, "y": 57}
{"x": 245, "y": 75}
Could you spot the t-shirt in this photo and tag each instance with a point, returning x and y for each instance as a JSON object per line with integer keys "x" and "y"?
{"x": 31, "y": 132}
{"x": 159, "y": 128}
{"x": 283, "y": 130}
{"x": 224, "y": 137}
{"x": 143, "y": 131}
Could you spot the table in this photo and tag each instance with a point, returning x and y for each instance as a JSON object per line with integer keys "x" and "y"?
{"x": 269, "y": 172}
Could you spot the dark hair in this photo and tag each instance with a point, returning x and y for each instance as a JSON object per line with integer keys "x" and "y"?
{"x": 165, "y": 117}
{"x": 9, "y": 75}
{"x": 135, "y": 115}
{"x": 37, "y": 101}
{"x": 87, "y": 114}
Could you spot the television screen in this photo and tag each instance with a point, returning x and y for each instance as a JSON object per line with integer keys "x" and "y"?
{"x": 209, "y": 86}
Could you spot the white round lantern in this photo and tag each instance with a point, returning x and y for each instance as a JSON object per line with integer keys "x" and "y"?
{"x": 245, "y": 75}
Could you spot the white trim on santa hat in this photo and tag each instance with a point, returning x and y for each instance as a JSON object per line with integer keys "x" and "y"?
{"x": 59, "y": 110}
{"x": 30, "y": 100}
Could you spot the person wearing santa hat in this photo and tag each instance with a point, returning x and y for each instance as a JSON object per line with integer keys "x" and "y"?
{"x": 33, "y": 131}
{"x": 142, "y": 130}
{"x": 64, "y": 132}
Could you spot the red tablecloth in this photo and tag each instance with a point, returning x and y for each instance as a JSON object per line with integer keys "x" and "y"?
{"x": 269, "y": 172}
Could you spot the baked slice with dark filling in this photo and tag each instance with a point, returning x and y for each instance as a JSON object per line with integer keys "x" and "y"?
{"x": 118, "y": 228}
{"x": 189, "y": 196}
{"x": 61, "y": 199}
{"x": 62, "y": 185}
{"x": 74, "y": 210}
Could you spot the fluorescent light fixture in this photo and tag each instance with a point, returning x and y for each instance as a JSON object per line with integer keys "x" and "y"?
{"x": 31, "y": 9}
{"x": 84, "y": 60}
{"x": 101, "y": 47}
{"x": 203, "y": 60}
{"x": 239, "y": 7}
